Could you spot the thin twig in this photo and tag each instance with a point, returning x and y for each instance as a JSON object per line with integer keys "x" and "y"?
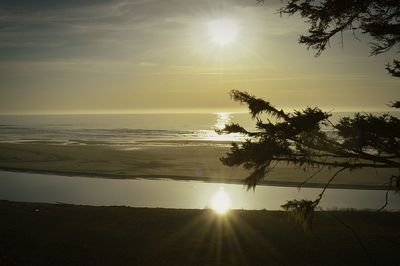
{"x": 328, "y": 183}
{"x": 387, "y": 195}
{"x": 311, "y": 176}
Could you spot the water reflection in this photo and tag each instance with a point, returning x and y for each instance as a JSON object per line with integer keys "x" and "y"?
{"x": 222, "y": 119}
{"x": 221, "y": 202}
{"x": 173, "y": 194}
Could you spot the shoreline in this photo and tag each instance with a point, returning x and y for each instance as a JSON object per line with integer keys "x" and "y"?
{"x": 189, "y": 178}
{"x": 178, "y": 163}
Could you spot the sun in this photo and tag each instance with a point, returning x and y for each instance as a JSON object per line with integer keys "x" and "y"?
{"x": 220, "y": 202}
{"x": 223, "y": 31}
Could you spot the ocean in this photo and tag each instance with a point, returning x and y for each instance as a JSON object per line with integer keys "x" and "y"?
{"x": 125, "y": 130}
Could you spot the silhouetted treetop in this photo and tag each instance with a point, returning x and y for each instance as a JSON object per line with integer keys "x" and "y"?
{"x": 309, "y": 140}
{"x": 378, "y": 18}
{"x": 298, "y": 138}
{"x": 256, "y": 105}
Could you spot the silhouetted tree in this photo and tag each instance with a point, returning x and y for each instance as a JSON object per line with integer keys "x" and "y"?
{"x": 297, "y": 138}
{"x": 378, "y": 18}
{"x": 307, "y": 139}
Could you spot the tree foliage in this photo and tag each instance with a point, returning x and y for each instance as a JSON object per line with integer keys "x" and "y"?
{"x": 309, "y": 140}
{"x": 378, "y": 18}
{"x": 301, "y": 138}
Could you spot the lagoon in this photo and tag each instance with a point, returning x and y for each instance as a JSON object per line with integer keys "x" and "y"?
{"x": 165, "y": 193}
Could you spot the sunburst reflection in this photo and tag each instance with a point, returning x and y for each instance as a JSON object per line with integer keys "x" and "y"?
{"x": 221, "y": 202}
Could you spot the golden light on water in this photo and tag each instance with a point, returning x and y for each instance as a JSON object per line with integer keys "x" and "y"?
{"x": 223, "y": 118}
{"x": 223, "y": 31}
{"x": 221, "y": 202}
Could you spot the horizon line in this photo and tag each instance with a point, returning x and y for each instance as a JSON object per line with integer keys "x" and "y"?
{"x": 191, "y": 111}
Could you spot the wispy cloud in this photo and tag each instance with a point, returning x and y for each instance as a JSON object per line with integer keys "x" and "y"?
{"x": 97, "y": 28}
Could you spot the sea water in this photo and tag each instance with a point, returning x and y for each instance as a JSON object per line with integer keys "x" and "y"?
{"x": 126, "y": 130}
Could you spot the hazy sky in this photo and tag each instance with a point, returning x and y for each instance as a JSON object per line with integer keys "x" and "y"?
{"x": 146, "y": 55}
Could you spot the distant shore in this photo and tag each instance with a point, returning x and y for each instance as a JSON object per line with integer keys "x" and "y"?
{"x": 60, "y": 234}
{"x": 198, "y": 163}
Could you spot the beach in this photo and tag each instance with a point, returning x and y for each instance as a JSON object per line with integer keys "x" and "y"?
{"x": 174, "y": 146}
{"x": 198, "y": 162}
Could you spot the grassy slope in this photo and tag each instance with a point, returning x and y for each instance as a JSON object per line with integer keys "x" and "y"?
{"x": 46, "y": 234}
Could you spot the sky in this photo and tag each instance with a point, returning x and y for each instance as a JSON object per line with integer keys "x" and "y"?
{"x": 97, "y": 56}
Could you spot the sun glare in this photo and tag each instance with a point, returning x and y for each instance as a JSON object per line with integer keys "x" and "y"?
{"x": 222, "y": 119}
{"x": 223, "y": 31}
{"x": 220, "y": 202}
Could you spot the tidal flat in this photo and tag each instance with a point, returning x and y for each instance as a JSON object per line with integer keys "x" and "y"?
{"x": 199, "y": 162}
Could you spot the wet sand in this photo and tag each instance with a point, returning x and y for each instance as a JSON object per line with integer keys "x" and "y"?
{"x": 199, "y": 163}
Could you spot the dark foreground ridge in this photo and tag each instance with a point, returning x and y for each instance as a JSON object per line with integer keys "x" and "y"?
{"x": 58, "y": 234}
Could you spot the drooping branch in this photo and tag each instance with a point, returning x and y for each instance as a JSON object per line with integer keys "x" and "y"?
{"x": 303, "y": 210}
{"x": 376, "y": 18}
{"x": 256, "y": 105}
{"x": 301, "y": 139}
